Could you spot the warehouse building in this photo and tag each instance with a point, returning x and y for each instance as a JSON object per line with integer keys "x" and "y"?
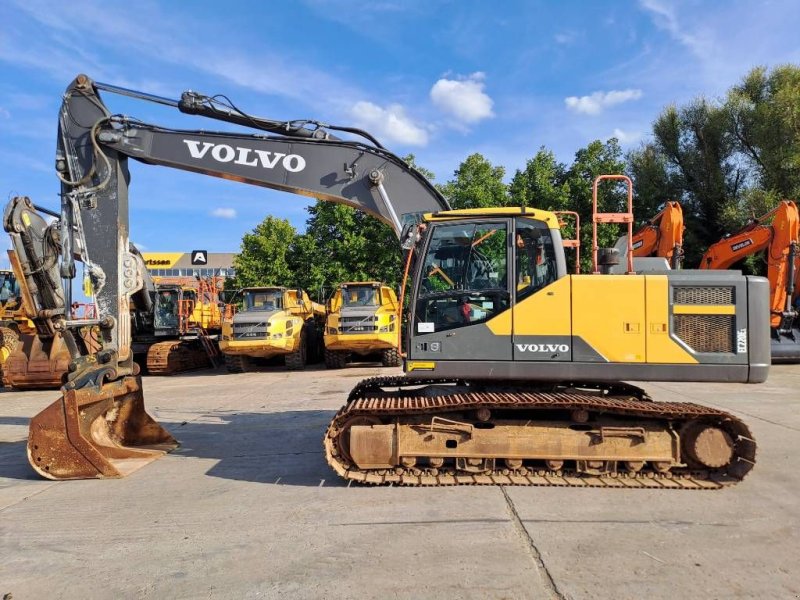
{"x": 197, "y": 263}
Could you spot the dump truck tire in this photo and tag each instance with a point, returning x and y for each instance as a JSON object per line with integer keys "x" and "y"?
{"x": 237, "y": 364}
{"x": 390, "y": 358}
{"x": 296, "y": 361}
{"x": 335, "y": 359}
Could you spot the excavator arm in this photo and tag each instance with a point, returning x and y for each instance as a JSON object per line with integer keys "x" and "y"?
{"x": 662, "y": 235}
{"x": 107, "y": 431}
{"x": 778, "y": 234}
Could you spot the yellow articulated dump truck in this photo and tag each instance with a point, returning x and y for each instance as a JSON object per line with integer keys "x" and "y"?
{"x": 362, "y": 321}
{"x": 268, "y": 322}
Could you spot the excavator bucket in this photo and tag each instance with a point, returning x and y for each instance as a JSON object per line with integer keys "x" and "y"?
{"x": 90, "y": 433}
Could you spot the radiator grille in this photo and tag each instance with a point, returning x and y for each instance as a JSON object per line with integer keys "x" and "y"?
{"x": 250, "y": 330}
{"x": 703, "y": 295}
{"x": 706, "y": 333}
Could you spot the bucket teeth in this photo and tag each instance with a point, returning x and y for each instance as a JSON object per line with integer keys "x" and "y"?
{"x": 96, "y": 433}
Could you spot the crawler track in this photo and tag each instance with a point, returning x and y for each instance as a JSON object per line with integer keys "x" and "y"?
{"x": 391, "y": 400}
{"x": 176, "y": 356}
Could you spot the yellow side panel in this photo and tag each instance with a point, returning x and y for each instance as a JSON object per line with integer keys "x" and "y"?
{"x": 547, "y": 312}
{"x": 661, "y": 348}
{"x": 608, "y": 313}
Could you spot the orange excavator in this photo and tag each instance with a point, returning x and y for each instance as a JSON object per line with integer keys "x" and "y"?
{"x": 777, "y": 233}
{"x": 662, "y": 236}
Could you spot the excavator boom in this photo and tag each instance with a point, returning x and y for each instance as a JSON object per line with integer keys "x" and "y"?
{"x": 107, "y": 431}
{"x": 662, "y": 236}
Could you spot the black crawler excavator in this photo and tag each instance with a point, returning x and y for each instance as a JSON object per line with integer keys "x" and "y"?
{"x": 514, "y": 368}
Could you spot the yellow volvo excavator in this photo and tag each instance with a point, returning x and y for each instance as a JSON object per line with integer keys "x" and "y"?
{"x": 178, "y": 330}
{"x": 514, "y": 368}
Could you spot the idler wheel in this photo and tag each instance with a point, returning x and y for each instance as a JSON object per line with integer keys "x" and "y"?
{"x": 554, "y": 465}
{"x": 513, "y": 463}
{"x": 436, "y": 462}
{"x": 343, "y": 441}
{"x": 710, "y": 446}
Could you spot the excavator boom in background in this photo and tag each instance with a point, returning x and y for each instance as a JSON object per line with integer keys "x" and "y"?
{"x": 776, "y": 233}
{"x": 662, "y": 236}
{"x": 514, "y": 367}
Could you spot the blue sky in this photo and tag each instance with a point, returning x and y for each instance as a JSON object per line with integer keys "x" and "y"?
{"x": 438, "y": 79}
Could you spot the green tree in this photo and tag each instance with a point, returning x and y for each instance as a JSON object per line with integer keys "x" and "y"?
{"x": 476, "y": 184}
{"x": 264, "y": 256}
{"x": 654, "y": 183}
{"x": 542, "y": 184}
{"x": 597, "y": 158}
{"x": 764, "y": 112}
{"x": 344, "y": 244}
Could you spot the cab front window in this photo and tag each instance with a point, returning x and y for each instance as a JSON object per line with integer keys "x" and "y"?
{"x": 360, "y": 295}
{"x": 263, "y": 300}
{"x": 464, "y": 276}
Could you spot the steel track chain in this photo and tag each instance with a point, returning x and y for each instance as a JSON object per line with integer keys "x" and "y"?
{"x": 369, "y": 399}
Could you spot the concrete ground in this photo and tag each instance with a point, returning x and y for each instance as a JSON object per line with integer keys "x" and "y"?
{"x": 248, "y": 508}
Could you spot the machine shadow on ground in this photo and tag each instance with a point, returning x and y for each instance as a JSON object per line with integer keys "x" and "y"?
{"x": 282, "y": 448}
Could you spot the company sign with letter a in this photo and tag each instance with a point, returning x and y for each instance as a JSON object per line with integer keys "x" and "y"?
{"x": 199, "y": 257}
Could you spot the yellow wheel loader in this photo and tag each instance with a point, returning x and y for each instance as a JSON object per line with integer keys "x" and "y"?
{"x": 28, "y": 360}
{"x": 272, "y": 322}
{"x": 363, "y": 320}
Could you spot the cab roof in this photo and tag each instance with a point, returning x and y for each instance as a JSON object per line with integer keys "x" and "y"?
{"x": 372, "y": 283}
{"x": 500, "y": 211}
{"x": 264, "y": 288}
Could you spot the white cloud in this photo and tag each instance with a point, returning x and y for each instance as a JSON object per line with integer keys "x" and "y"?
{"x": 597, "y": 102}
{"x": 463, "y": 98}
{"x": 665, "y": 18}
{"x": 390, "y": 123}
{"x": 626, "y": 137}
{"x": 224, "y": 213}
{"x": 565, "y": 38}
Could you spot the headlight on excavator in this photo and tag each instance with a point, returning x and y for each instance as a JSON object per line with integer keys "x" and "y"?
{"x": 333, "y": 331}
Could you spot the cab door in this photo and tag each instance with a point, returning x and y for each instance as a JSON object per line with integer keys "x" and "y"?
{"x": 542, "y": 312}
{"x": 464, "y": 287}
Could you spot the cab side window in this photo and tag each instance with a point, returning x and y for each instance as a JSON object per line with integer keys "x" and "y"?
{"x": 535, "y": 257}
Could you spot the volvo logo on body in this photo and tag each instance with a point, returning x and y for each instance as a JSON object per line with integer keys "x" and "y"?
{"x": 249, "y": 157}
{"x": 542, "y": 347}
